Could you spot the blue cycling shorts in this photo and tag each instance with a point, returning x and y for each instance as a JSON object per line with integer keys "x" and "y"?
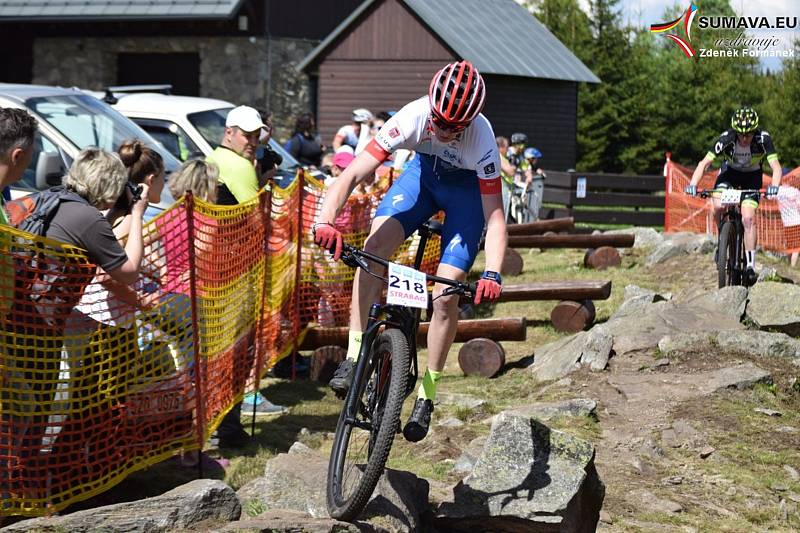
{"x": 422, "y": 190}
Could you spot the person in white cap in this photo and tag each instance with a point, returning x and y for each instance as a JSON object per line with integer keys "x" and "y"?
{"x": 350, "y": 133}
{"x": 238, "y": 183}
{"x": 235, "y": 158}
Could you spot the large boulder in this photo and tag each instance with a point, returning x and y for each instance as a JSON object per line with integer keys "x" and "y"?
{"x": 283, "y": 521}
{"x": 645, "y": 237}
{"x": 528, "y": 478}
{"x": 559, "y": 358}
{"x": 297, "y": 481}
{"x": 775, "y": 306}
{"x": 675, "y": 244}
{"x": 727, "y": 300}
{"x": 180, "y": 508}
{"x": 749, "y": 342}
{"x": 660, "y": 319}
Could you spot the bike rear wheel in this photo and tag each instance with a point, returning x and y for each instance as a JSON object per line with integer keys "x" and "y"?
{"x": 361, "y": 446}
{"x": 726, "y": 256}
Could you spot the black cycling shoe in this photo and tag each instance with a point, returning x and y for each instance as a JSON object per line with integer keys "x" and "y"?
{"x": 342, "y": 378}
{"x": 750, "y": 277}
{"x": 419, "y": 421}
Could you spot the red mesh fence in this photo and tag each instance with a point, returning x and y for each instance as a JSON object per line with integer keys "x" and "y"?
{"x": 777, "y": 221}
{"x": 98, "y": 380}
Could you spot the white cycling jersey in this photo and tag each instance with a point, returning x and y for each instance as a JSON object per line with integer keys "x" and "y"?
{"x": 474, "y": 149}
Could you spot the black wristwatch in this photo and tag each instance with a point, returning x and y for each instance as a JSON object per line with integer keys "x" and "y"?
{"x": 494, "y": 276}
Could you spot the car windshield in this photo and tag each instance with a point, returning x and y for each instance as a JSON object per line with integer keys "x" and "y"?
{"x": 211, "y": 125}
{"x": 86, "y": 121}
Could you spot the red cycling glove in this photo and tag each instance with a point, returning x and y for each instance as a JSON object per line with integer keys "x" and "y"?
{"x": 489, "y": 287}
{"x": 328, "y": 237}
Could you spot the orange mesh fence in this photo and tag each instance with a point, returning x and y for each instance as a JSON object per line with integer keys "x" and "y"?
{"x": 777, "y": 221}
{"x": 98, "y": 380}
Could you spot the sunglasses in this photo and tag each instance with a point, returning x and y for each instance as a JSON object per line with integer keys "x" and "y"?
{"x": 446, "y": 126}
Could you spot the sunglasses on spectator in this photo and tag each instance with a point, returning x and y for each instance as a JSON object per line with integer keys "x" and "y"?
{"x": 446, "y": 126}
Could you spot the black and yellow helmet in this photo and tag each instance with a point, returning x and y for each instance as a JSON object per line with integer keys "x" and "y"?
{"x": 744, "y": 120}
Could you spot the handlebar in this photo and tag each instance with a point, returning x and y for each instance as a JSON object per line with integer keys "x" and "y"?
{"x": 358, "y": 258}
{"x": 705, "y": 193}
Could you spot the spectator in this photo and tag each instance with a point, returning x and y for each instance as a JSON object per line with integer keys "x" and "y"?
{"x": 236, "y": 157}
{"x": 305, "y": 145}
{"x": 238, "y": 182}
{"x": 95, "y": 180}
{"x": 107, "y": 308}
{"x": 507, "y": 169}
{"x": 17, "y": 131}
{"x": 349, "y": 134}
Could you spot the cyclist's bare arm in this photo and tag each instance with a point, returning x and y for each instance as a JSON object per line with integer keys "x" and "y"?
{"x": 360, "y": 169}
{"x": 701, "y": 168}
{"x": 496, "y": 234}
{"x": 777, "y": 172}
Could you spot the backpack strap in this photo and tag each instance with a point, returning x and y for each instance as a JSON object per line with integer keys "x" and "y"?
{"x": 45, "y": 207}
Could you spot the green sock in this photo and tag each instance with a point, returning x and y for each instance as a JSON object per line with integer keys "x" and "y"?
{"x": 427, "y": 389}
{"x": 354, "y": 345}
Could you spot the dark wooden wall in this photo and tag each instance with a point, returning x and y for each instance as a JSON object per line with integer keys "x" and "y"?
{"x": 384, "y": 63}
{"x": 546, "y": 110}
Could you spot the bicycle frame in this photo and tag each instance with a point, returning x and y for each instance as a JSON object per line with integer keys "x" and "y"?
{"x": 396, "y": 316}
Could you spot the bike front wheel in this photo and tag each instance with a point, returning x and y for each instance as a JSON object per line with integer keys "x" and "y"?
{"x": 727, "y": 269}
{"x": 361, "y": 445}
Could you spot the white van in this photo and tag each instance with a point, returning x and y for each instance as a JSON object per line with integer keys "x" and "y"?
{"x": 70, "y": 120}
{"x": 187, "y": 126}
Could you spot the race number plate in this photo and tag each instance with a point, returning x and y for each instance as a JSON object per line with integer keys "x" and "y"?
{"x": 406, "y": 287}
{"x": 730, "y": 196}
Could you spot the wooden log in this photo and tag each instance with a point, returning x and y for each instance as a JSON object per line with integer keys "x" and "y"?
{"x": 498, "y": 329}
{"x": 481, "y": 357}
{"x": 541, "y": 226}
{"x": 512, "y": 263}
{"x": 324, "y": 362}
{"x": 557, "y": 290}
{"x": 602, "y": 258}
{"x": 571, "y": 316}
{"x": 571, "y": 241}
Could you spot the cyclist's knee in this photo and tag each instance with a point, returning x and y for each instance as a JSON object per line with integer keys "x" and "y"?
{"x": 444, "y": 305}
{"x": 748, "y": 221}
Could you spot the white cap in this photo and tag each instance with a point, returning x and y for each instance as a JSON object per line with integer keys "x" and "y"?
{"x": 362, "y": 115}
{"x": 346, "y": 148}
{"x": 245, "y": 118}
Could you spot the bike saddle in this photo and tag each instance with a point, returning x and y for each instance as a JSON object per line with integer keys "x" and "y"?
{"x": 432, "y": 227}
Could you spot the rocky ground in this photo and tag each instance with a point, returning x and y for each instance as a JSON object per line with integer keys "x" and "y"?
{"x": 678, "y": 411}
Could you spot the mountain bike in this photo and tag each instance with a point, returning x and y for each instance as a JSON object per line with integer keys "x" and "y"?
{"x": 730, "y": 257}
{"x": 384, "y": 376}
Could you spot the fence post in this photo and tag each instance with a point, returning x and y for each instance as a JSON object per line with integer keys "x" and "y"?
{"x": 667, "y": 189}
{"x": 265, "y": 205}
{"x": 198, "y": 370}
{"x": 297, "y": 270}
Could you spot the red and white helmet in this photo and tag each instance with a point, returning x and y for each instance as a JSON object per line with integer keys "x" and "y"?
{"x": 457, "y": 94}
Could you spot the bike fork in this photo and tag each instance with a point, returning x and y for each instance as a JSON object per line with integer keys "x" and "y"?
{"x": 351, "y": 402}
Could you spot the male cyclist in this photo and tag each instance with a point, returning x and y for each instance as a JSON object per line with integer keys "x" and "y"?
{"x": 457, "y": 169}
{"x": 743, "y": 149}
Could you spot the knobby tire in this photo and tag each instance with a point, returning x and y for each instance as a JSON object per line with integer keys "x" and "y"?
{"x": 726, "y": 254}
{"x": 379, "y": 402}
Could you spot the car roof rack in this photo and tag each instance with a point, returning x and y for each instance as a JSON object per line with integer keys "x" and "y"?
{"x": 109, "y": 97}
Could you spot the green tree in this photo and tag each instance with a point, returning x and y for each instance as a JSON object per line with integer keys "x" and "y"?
{"x": 781, "y": 109}
{"x": 566, "y": 20}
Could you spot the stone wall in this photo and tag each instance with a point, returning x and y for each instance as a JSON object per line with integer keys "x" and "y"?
{"x": 241, "y": 70}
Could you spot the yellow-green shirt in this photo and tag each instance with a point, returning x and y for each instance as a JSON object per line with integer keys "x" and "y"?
{"x": 237, "y": 173}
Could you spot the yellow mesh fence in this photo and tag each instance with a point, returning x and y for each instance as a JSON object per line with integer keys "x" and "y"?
{"x": 98, "y": 380}
{"x": 777, "y": 221}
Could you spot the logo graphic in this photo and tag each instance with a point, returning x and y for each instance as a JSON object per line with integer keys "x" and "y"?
{"x": 455, "y": 242}
{"x": 488, "y": 169}
{"x": 394, "y": 132}
{"x": 397, "y": 199}
{"x": 683, "y": 44}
